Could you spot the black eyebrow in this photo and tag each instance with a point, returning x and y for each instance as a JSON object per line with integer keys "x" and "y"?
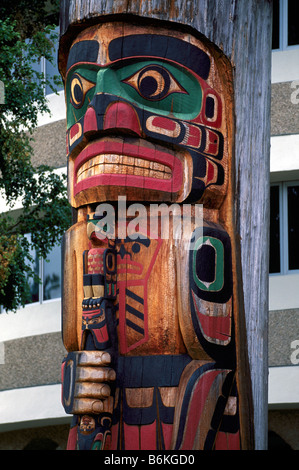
{"x": 83, "y": 51}
{"x": 168, "y": 47}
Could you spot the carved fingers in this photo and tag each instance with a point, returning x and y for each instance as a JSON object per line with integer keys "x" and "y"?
{"x": 92, "y": 380}
{"x": 92, "y": 390}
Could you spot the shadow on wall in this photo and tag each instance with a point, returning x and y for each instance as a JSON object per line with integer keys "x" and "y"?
{"x": 42, "y": 444}
{"x": 275, "y": 442}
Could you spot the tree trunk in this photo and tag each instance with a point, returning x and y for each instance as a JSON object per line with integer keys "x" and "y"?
{"x": 242, "y": 30}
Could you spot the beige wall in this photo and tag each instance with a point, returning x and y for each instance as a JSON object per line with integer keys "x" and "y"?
{"x": 285, "y": 108}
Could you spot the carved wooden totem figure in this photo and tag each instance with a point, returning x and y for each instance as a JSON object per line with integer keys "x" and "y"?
{"x": 149, "y": 322}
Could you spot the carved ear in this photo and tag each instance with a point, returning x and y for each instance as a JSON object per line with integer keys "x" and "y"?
{"x": 211, "y": 265}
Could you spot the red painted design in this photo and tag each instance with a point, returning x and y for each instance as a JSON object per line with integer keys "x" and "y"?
{"x": 107, "y": 443}
{"x": 212, "y": 144}
{"x": 95, "y": 261}
{"x": 165, "y": 123}
{"x": 122, "y": 116}
{"x": 167, "y": 434}
{"x": 128, "y": 265}
{"x": 90, "y": 121}
{"x": 100, "y": 333}
{"x": 131, "y": 437}
{"x": 148, "y": 436}
{"x": 201, "y": 118}
{"x": 210, "y": 172}
{"x": 138, "y": 151}
{"x": 140, "y": 437}
{"x": 67, "y": 144}
{"x": 126, "y": 342}
{"x": 194, "y": 136}
{"x": 72, "y": 438}
{"x": 200, "y": 396}
{"x": 114, "y": 436}
{"x": 214, "y": 327}
{"x": 227, "y": 441}
{"x": 75, "y": 133}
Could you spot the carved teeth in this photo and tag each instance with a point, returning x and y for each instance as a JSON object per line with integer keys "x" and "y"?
{"x": 122, "y": 164}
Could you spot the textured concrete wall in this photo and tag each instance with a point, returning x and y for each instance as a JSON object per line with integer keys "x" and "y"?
{"x": 31, "y": 361}
{"x": 283, "y": 332}
{"x": 285, "y": 108}
{"x": 49, "y": 146}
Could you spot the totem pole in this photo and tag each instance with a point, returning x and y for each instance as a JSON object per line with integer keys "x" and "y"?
{"x": 152, "y": 324}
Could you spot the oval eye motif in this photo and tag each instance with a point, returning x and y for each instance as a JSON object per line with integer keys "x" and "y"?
{"x": 79, "y": 86}
{"x": 154, "y": 83}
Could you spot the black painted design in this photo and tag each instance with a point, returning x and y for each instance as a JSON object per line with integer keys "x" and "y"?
{"x": 166, "y": 47}
{"x": 83, "y": 51}
{"x": 224, "y": 354}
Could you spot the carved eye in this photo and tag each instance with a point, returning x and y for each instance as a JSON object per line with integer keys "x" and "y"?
{"x": 154, "y": 83}
{"x": 79, "y": 86}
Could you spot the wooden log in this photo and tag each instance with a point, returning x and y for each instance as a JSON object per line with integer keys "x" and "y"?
{"x": 241, "y": 30}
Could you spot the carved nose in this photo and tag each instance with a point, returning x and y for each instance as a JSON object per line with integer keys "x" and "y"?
{"x": 122, "y": 116}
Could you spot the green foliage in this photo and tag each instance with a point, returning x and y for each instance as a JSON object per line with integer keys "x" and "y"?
{"x": 26, "y": 35}
{"x": 30, "y": 15}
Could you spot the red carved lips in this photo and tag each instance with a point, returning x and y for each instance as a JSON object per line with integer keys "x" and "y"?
{"x": 127, "y": 265}
{"x": 127, "y": 163}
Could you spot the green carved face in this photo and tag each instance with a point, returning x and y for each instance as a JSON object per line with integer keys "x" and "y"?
{"x": 154, "y": 86}
{"x": 127, "y": 83}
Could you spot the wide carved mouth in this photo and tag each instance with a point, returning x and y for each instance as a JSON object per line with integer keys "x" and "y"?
{"x": 123, "y": 165}
{"x": 115, "y": 162}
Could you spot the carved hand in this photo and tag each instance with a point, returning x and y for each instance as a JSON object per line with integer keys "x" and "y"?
{"x": 86, "y": 380}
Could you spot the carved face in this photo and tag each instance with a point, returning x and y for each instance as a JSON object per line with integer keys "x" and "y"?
{"x": 145, "y": 117}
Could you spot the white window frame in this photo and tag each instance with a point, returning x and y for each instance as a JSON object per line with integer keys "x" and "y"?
{"x": 283, "y": 28}
{"x": 283, "y": 228}
{"x": 43, "y": 71}
{"x": 41, "y": 299}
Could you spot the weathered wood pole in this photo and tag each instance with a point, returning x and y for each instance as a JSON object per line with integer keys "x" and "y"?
{"x": 241, "y": 29}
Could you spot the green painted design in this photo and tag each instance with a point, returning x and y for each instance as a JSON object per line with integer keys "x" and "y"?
{"x": 217, "y": 284}
{"x": 183, "y": 101}
{"x": 88, "y": 76}
{"x": 97, "y": 445}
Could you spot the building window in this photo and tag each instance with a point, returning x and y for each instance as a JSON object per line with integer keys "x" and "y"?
{"x": 276, "y": 28}
{"x": 48, "y": 70}
{"x": 285, "y": 24}
{"x": 32, "y": 283}
{"x": 284, "y": 228}
{"x": 49, "y": 272}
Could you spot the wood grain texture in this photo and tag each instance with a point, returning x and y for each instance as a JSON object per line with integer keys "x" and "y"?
{"x": 242, "y": 30}
{"x": 75, "y": 242}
